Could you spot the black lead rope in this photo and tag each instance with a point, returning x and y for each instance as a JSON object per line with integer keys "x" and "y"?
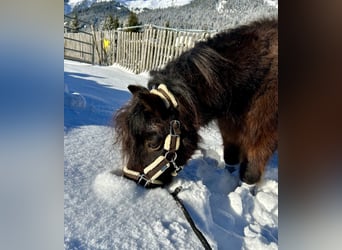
{"x": 188, "y": 217}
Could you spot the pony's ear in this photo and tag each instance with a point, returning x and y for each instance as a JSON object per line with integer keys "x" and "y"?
{"x": 134, "y": 89}
{"x": 153, "y": 104}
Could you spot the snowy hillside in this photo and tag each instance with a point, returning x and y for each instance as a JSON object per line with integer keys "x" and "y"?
{"x": 132, "y": 4}
{"x": 183, "y": 14}
{"x": 152, "y": 4}
{"x": 106, "y": 211}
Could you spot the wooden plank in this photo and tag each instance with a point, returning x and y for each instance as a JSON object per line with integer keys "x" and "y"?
{"x": 139, "y": 52}
{"x": 131, "y": 51}
{"x": 120, "y": 47}
{"x": 156, "y": 39}
{"x": 153, "y": 47}
{"x": 144, "y": 50}
{"x": 136, "y": 48}
{"x": 169, "y": 45}
{"x": 149, "y": 48}
{"x": 173, "y": 45}
{"x": 117, "y": 58}
{"x": 177, "y": 44}
{"x": 167, "y": 36}
{"x": 161, "y": 49}
{"x": 140, "y": 44}
{"x": 133, "y": 61}
{"x": 124, "y": 58}
{"x": 127, "y": 40}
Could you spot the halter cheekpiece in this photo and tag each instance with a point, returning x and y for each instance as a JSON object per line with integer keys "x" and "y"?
{"x": 171, "y": 144}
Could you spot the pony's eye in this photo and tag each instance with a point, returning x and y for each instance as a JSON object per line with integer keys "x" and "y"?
{"x": 154, "y": 146}
{"x": 154, "y": 143}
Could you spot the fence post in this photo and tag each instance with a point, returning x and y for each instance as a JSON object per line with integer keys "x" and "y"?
{"x": 93, "y": 48}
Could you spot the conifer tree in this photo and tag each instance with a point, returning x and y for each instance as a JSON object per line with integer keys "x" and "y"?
{"x": 111, "y": 23}
{"x": 75, "y": 24}
{"x": 133, "y": 21}
{"x": 167, "y": 24}
{"x": 116, "y": 23}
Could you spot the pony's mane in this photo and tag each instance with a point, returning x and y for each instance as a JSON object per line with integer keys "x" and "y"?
{"x": 198, "y": 68}
{"x": 122, "y": 136}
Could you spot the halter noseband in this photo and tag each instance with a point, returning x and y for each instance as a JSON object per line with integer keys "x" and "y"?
{"x": 171, "y": 144}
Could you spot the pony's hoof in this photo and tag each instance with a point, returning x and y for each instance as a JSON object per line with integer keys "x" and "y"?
{"x": 249, "y": 175}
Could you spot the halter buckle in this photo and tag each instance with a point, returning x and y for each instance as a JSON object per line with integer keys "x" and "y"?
{"x": 178, "y": 168}
{"x": 174, "y": 128}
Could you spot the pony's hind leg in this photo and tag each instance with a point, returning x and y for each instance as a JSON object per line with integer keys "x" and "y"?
{"x": 256, "y": 157}
{"x": 260, "y": 137}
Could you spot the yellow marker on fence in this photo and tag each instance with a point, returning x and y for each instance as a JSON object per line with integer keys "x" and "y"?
{"x": 106, "y": 43}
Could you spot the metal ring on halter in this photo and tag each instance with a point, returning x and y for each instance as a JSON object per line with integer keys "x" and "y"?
{"x": 174, "y": 154}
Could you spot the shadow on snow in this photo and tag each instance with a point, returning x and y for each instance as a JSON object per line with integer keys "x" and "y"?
{"x": 87, "y": 102}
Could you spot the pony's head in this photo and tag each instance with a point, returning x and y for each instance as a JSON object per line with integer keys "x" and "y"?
{"x": 153, "y": 139}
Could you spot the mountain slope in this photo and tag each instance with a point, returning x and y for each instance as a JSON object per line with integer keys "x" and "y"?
{"x": 209, "y": 14}
{"x": 97, "y": 12}
{"x": 197, "y": 14}
{"x": 134, "y": 5}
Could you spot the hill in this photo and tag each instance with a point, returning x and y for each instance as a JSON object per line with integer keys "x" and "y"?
{"x": 96, "y": 13}
{"x": 209, "y": 14}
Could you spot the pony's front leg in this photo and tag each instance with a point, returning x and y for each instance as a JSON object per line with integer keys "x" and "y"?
{"x": 251, "y": 170}
{"x": 231, "y": 148}
{"x": 231, "y": 154}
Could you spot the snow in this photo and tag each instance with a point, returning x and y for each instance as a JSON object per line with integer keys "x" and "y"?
{"x": 273, "y": 3}
{"x": 73, "y": 3}
{"x": 103, "y": 210}
{"x": 155, "y": 4}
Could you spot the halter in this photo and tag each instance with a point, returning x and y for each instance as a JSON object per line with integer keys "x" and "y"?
{"x": 171, "y": 144}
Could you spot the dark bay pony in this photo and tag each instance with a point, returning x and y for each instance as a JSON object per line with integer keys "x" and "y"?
{"x": 231, "y": 78}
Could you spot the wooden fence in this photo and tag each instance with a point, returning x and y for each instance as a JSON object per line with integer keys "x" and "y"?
{"x": 137, "y": 51}
{"x": 78, "y": 45}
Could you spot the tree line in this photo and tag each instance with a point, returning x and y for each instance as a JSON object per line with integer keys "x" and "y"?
{"x": 110, "y": 23}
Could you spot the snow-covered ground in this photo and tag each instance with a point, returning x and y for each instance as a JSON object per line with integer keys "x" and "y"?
{"x": 106, "y": 211}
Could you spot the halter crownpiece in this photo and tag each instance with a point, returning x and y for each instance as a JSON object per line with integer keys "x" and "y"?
{"x": 171, "y": 144}
{"x": 163, "y": 92}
